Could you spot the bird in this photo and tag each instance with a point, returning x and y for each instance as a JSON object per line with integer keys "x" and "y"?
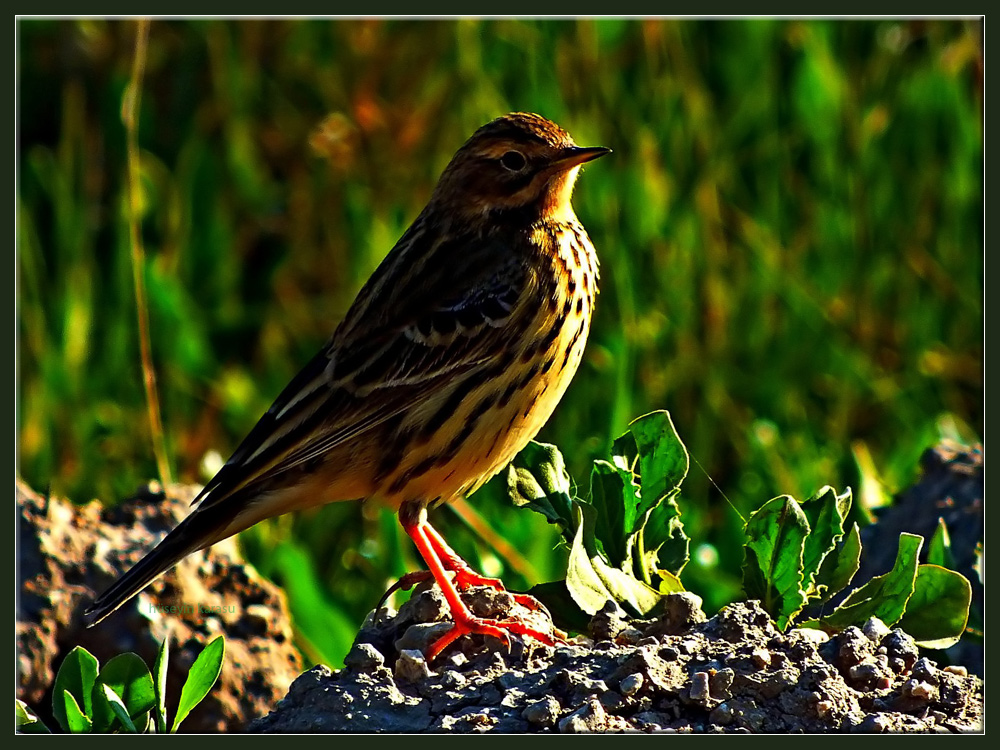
{"x": 450, "y": 360}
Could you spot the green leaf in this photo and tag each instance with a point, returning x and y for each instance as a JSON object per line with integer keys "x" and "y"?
{"x": 614, "y": 498}
{"x": 666, "y": 545}
{"x": 840, "y": 566}
{"x": 566, "y": 613}
{"x": 160, "y": 684}
{"x": 663, "y": 459}
{"x": 884, "y": 596}
{"x": 653, "y": 462}
{"x": 772, "y": 570}
{"x": 76, "y": 675}
{"x": 204, "y": 672}
{"x": 938, "y": 611}
{"x": 825, "y": 511}
{"x": 591, "y": 581}
{"x": 76, "y": 721}
{"x": 25, "y": 720}
{"x": 939, "y": 549}
{"x": 117, "y": 707}
{"x": 128, "y": 676}
{"x": 537, "y": 478}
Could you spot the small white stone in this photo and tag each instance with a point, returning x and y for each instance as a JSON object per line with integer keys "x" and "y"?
{"x": 411, "y": 666}
{"x": 761, "y": 658}
{"x": 920, "y": 689}
{"x": 810, "y": 634}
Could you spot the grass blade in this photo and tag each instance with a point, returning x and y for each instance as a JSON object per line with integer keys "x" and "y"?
{"x": 204, "y": 672}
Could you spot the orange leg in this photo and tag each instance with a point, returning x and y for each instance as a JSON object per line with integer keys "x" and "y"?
{"x": 440, "y": 559}
{"x": 466, "y": 576}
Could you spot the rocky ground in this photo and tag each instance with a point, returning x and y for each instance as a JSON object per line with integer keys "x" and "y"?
{"x": 678, "y": 671}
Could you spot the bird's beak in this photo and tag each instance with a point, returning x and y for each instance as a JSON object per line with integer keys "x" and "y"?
{"x": 575, "y": 156}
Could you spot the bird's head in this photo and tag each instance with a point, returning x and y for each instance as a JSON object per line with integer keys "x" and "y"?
{"x": 520, "y": 161}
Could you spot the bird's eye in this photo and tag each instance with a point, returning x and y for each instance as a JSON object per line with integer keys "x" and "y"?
{"x": 513, "y": 160}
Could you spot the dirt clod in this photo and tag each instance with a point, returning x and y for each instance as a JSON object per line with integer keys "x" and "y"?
{"x": 731, "y": 673}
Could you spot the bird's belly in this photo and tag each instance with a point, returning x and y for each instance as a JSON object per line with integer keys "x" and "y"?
{"x": 493, "y": 424}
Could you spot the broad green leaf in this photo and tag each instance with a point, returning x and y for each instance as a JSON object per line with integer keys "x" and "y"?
{"x": 938, "y": 611}
{"x": 884, "y": 596}
{"x": 128, "y": 676}
{"x": 664, "y": 541}
{"x": 614, "y": 498}
{"x": 76, "y": 721}
{"x": 160, "y": 684}
{"x": 840, "y": 566}
{"x": 204, "y": 672}
{"x": 591, "y": 581}
{"x": 663, "y": 459}
{"x": 825, "y": 511}
{"x": 537, "y": 477}
{"x": 77, "y": 675}
{"x": 772, "y": 571}
{"x": 939, "y": 549}
{"x": 25, "y": 720}
{"x": 118, "y": 707}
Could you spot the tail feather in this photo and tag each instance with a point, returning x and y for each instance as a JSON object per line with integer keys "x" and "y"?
{"x": 177, "y": 545}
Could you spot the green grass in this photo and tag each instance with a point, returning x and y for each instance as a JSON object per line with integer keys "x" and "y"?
{"x": 790, "y": 228}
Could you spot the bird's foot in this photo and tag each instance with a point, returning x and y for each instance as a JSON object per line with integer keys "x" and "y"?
{"x": 465, "y": 623}
{"x": 465, "y": 578}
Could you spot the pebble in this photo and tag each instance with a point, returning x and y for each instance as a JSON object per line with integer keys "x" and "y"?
{"x": 630, "y": 685}
{"x": 590, "y": 717}
{"x": 721, "y": 714}
{"x": 411, "y": 666}
{"x": 811, "y": 635}
{"x": 761, "y": 658}
{"x": 875, "y": 630}
{"x": 420, "y": 636}
{"x": 921, "y": 690}
{"x": 699, "y": 687}
{"x": 363, "y": 657}
{"x": 542, "y": 712}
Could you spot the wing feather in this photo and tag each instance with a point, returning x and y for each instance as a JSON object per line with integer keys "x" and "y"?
{"x": 405, "y": 336}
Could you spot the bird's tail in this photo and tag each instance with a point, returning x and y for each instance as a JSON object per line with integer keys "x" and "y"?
{"x": 179, "y": 543}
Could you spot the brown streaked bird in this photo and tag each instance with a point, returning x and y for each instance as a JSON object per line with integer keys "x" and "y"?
{"x": 452, "y": 357}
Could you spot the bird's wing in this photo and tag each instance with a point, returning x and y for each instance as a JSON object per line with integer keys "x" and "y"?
{"x": 434, "y": 310}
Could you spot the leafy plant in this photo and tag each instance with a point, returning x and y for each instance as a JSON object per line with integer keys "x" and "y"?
{"x": 797, "y": 554}
{"x": 123, "y": 696}
{"x": 626, "y": 541}
{"x": 627, "y": 544}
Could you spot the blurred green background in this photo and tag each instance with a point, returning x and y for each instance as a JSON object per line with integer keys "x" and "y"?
{"x": 790, "y": 228}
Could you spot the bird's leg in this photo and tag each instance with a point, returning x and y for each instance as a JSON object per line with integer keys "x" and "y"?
{"x": 414, "y": 521}
{"x": 465, "y": 576}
